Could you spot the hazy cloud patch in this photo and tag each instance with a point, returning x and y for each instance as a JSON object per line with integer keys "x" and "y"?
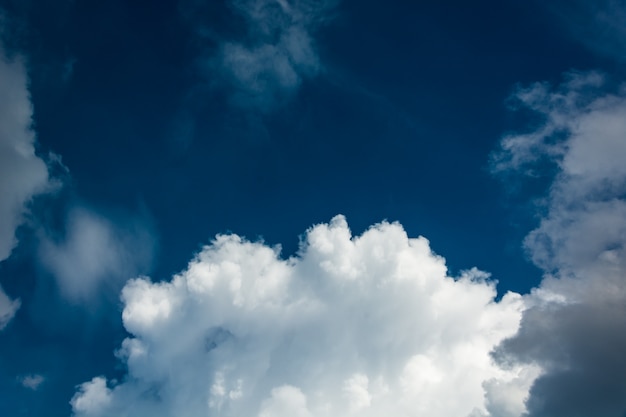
{"x": 97, "y": 254}
{"x": 8, "y": 308}
{"x": 277, "y": 53}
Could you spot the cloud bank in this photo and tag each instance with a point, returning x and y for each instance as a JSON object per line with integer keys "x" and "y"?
{"x": 277, "y": 53}
{"x": 575, "y": 328}
{"x": 368, "y": 325}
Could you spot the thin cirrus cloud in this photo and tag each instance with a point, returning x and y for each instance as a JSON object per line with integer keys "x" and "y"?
{"x": 277, "y": 53}
{"x": 368, "y": 325}
{"x": 574, "y": 329}
{"x": 23, "y": 174}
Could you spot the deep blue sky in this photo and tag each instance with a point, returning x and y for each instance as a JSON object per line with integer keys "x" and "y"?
{"x": 398, "y": 123}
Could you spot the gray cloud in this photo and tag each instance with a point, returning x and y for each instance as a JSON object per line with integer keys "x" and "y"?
{"x": 575, "y": 328}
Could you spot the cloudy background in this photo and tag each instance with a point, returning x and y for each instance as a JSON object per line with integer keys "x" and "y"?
{"x": 306, "y": 208}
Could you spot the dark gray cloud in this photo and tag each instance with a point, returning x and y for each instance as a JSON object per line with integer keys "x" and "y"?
{"x": 575, "y": 326}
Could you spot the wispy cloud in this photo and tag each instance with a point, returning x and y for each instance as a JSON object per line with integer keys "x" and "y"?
{"x": 8, "y": 308}
{"x": 22, "y": 173}
{"x": 368, "y": 325}
{"x": 574, "y": 329}
{"x": 97, "y": 254}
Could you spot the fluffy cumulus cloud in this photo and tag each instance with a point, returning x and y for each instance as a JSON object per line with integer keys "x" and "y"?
{"x": 278, "y": 52}
{"x": 22, "y": 172}
{"x": 575, "y": 327}
{"x": 355, "y": 326}
{"x": 95, "y": 254}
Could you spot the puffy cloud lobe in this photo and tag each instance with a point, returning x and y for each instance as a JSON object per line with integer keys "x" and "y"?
{"x": 95, "y": 252}
{"x": 368, "y": 326}
{"x": 575, "y": 327}
{"x": 279, "y": 51}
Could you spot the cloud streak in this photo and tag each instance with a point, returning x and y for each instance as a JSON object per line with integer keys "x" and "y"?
{"x": 368, "y": 325}
{"x": 575, "y": 326}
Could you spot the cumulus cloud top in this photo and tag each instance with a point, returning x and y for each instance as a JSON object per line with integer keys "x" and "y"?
{"x": 368, "y": 325}
{"x": 575, "y": 328}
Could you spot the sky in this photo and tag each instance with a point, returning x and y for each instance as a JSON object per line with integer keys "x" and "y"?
{"x": 298, "y": 208}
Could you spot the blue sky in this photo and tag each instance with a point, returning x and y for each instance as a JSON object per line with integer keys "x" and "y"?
{"x": 272, "y": 208}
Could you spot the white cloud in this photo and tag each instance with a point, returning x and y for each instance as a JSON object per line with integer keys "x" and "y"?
{"x": 278, "y": 53}
{"x": 8, "y": 308}
{"x": 368, "y": 326}
{"x": 32, "y": 381}
{"x": 597, "y": 24}
{"x": 575, "y": 328}
{"x": 96, "y": 254}
{"x": 22, "y": 172}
